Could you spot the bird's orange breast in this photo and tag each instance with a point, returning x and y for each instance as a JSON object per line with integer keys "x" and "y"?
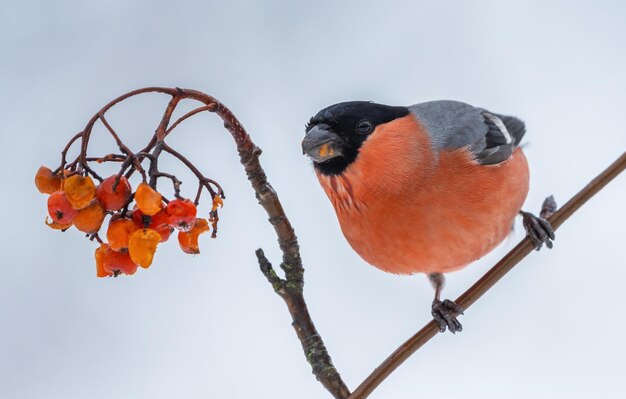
{"x": 406, "y": 208}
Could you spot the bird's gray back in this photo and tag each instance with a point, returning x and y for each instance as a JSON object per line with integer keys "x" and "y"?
{"x": 454, "y": 124}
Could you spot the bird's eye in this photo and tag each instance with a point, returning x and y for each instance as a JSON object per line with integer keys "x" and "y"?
{"x": 364, "y": 127}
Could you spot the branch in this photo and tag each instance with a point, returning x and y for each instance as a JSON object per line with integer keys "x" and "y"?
{"x": 487, "y": 281}
{"x": 290, "y": 289}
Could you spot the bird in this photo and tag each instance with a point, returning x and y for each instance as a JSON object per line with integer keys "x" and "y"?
{"x": 423, "y": 189}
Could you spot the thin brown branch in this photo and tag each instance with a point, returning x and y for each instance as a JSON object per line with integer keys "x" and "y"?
{"x": 188, "y": 115}
{"x": 167, "y": 115}
{"x": 175, "y": 182}
{"x": 117, "y": 139}
{"x": 203, "y": 180}
{"x": 290, "y": 289}
{"x": 86, "y": 133}
{"x": 65, "y": 150}
{"x": 487, "y": 281}
{"x": 123, "y": 147}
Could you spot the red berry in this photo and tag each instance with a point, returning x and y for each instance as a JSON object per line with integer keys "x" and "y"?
{"x": 165, "y": 232}
{"x": 113, "y": 200}
{"x": 111, "y": 263}
{"x": 157, "y": 221}
{"x": 181, "y": 213}
{"x": 60, "y": 209}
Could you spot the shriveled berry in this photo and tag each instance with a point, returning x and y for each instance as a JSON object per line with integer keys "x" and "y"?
{"x": 181, "y": 213}
{"x": 142, "y": 245}
{"x": 57, "y": 226}
{"x": 217, "y": 202}
{"x": 119, "y": 232}
{"x": 90, "y": 219}
{"x": 188, "y": 240}
{"x": 149, "y": 201}
{"x": 79, "y": 190}
{"x": 46, "y": 181}
{"x": 113, "y": 200}
{"x": 60, "y": 209}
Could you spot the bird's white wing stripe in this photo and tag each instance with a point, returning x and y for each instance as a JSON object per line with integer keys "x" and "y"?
{"x": 500, "y": 125}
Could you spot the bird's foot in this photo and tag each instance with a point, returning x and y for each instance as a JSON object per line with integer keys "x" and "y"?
{"x": 538, "y": 228}
{"x": 445, "y": 312}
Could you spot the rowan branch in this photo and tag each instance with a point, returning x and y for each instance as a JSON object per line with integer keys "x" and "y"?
{"x": 290, "y": 288}
{"x": 487, "y": 281}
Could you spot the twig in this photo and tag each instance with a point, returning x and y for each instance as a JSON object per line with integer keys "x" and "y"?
{"x": 175, "y": 182}
{"x": 188, "y": 115}
{"x": 203, "y": 180}
{"x": 290, "y": 289}
{"x": 487, "y": 281}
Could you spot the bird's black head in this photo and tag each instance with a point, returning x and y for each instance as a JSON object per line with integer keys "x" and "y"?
{"x": 335, "y": 135}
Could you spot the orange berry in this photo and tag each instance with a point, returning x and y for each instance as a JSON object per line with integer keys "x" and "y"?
{"x": 118, "y": 233}
{"x": 113, "y": 200}
{"x": 60, "y": 209}
{"x": 149, "y": 201}
{"x": 100, "y": 254}
{"x": 79, "y": 190}
{"x": 188, "y": 240}
{"x": 46, "y": 181}
{"x": 181, "y": 213}
{"x": 90, "y": 219}
{"x": 142, "y": 245}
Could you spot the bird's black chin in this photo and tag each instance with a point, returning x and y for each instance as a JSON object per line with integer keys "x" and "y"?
{"x": 337, "y": 165}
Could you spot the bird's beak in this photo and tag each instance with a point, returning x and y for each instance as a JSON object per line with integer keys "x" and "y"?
{"x": 321, "y": 144}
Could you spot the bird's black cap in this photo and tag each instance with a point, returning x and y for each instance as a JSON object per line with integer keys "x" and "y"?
{"x": 337, "y": 132}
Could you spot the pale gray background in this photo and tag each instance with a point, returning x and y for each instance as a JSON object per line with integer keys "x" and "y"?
{"x": 210, "y": 326}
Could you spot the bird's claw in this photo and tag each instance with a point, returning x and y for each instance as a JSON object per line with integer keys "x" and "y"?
{"x": 539, "y": 230}
{"x": 445, "y": 312}
{"x": 548, "y": 208}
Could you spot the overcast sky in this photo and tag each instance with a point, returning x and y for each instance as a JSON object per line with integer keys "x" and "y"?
{"x": 210, "y": 326}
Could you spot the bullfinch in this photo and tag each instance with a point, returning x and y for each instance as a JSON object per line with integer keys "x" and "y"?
{"x": 427, "y": 188}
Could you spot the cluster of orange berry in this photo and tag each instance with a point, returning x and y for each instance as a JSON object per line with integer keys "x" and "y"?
{"x": 132, "y": 236}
